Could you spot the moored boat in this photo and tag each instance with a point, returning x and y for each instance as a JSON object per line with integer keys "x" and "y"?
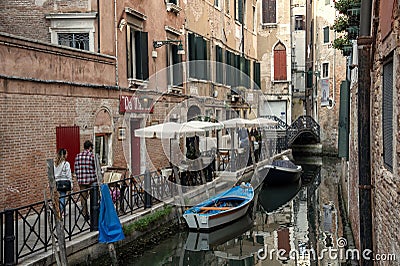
{"x": 221, "y": 209}
{"x": 282, "y": 172}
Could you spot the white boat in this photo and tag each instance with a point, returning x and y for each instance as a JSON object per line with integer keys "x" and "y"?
{"x": 221, "y": 209}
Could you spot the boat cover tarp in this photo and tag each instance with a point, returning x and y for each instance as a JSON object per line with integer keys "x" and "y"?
{"x": 284, "y": 163}
{"x": 243, "y": 192}
{"x": 110, "y": 229}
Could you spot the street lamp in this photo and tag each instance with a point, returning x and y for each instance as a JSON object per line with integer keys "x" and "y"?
{"x": 158, "y": 44}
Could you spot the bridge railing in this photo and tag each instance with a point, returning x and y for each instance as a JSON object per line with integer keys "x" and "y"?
{"x": 302, "y": 124}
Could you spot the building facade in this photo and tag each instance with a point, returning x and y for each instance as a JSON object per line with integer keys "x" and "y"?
{"x": 329, "y": 70}
{"x": 371, "y": 172}
{"x": 99, "y": 70}
{"x": 275, "y": 52}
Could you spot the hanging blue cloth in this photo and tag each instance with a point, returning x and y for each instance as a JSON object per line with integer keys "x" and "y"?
{"x": 110, "y": 229}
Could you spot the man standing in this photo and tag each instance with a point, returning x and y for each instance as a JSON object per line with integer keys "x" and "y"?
{"x": 85, "y": 171}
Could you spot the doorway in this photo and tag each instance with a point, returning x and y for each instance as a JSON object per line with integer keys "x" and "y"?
{"x": 135, "y": 148}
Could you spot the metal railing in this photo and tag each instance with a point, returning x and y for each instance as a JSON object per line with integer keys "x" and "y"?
{"x": 303, "y": 124}
{"x": 26, "y": 229}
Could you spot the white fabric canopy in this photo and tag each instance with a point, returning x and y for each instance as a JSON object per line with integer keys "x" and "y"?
{"x": 207, "y": 126}
{"x": 168, "y": 130}
{"x": 236, "y": 122}
{"x": 262, "y": 122}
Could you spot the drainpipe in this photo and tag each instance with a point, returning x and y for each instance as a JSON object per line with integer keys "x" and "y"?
{"x": 116, "y": 43}
{"x": 98, "y": 26}
{"x": 364, "y": 150}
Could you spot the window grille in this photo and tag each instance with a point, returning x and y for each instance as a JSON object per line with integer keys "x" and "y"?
{"x": 74, "y": 40}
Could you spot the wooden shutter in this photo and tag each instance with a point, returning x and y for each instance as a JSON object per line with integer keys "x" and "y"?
{"x": 344, "y": 120}
{"x": 219, "y": 75}
{"x": 269, "y": 11}
{"x": 257, "y": 77}
{"x": 326, "y": 34}
{"x": 200, "y": 55}
{"x": 142, "y": 55}
{"x": 129, "y": 52}
{"x": 68, "y": 138}
{"x": 240, "y": 11}
{"x": 176, "y": 67}
{"x": 228, "y": 60}
{"x": 237, "y": 70}
{"x": 247, "y": 71}
{"x": 206, "y": 59}
{"x": 387, "y": 119}
{"x": 192, "y": 55}
{"x": 280, "y": 65}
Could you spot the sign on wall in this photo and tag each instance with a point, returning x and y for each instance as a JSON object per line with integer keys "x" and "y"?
{"x": 324, "y": 92}
{"x": 135, "y": 104}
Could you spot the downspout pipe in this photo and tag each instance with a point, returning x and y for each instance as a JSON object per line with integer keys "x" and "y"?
{"x": 98, "y": 26}
{"x": 364, "y": 131}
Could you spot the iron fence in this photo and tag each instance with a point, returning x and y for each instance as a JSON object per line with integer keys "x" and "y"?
{"x": 26, "y": 230}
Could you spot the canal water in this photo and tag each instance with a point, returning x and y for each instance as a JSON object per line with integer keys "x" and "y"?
{"x": 293, "y": 225}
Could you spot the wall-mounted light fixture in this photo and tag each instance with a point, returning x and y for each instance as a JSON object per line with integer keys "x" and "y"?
{"x": 158, "y": 44}
{"x": 145, "y": 101}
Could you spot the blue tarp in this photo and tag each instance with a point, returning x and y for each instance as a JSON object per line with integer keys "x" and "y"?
{"x": 110, "y": 229}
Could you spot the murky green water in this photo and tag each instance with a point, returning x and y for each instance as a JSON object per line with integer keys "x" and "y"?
{"x": 294, "y": 224}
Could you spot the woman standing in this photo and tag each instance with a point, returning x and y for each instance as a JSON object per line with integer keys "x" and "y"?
{"x": 63, "y": 176}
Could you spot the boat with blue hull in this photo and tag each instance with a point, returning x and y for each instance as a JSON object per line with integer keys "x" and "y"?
{"x": 221, "y": 209}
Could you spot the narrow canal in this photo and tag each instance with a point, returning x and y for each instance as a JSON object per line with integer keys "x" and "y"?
{"x": 294, "y": 224}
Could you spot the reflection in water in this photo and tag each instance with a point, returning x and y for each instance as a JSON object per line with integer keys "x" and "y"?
{"x": 295, "y": 219}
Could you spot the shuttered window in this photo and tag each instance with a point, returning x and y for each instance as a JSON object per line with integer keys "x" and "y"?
{"x": 280, "y": 62}
{"x": 137, "y": 54}
{"x": 175, "y": 76}
{"x": 326, "y": 34}
{"x": 198, "y": 55}
{"x": 268, "y": 11}
{"x": 239, "y": 10}
{"x": 237, "y": 70}
{"x": 344, "y": 120}
{"x": 68, "y": 138}
{"x": 387, "y": 115}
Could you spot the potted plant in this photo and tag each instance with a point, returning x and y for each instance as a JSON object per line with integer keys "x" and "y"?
{"x": 340, "y": 42}
{"x": 340, "y": 24}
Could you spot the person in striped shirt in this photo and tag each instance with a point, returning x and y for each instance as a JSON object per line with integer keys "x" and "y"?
{"x": 85, "y": 172}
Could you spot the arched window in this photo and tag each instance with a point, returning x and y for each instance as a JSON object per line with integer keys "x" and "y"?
{"x": 280, "y": 62}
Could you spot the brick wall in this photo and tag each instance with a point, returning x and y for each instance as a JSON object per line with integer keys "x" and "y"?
{"x": 26, "y": 18}
{"x": 386, "y": 215}
{"x": 352, "y": 183}
{"x": 32, "y": 107}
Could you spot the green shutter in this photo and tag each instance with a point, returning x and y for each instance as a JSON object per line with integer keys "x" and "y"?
{"x": 142, "y": 55}
{"x": 240, "y": 11}
{"x": 344, "y": 120}
{"x": 129, "y": 63}
{"x": 200, "y": 55}
{"x": 192, "y": 55}
{"x": 219, "y": 69}
{"x": 176, "y": 67}
{"x": 309, "y": 78}
{"x": 257, "y": 77}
